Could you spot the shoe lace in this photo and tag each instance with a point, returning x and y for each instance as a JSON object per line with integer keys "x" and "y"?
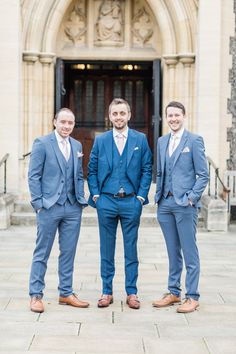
{"x": 187, "y": 301}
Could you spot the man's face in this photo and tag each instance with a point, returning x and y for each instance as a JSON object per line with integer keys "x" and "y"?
{"x": 119, "y": 116}
{"x": 64, "y": 124}
{"x": 175, "y": 118}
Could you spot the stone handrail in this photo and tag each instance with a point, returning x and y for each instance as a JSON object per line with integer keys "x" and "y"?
{"x": 220, "y": 189}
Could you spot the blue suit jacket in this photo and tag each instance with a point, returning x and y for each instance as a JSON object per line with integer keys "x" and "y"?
{"x": 139, "y": 163}
{"x": 46, "y": 172}
{"x": 190, "y": 170}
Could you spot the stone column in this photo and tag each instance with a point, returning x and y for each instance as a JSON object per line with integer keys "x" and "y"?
{"x": 28, "y": 117}
{"x": 187, "y": 88}
{"x": 231, "y": 132}
{"x": 29, "y": 59}
{"x": 169, "y": 85}
{"x": 47, "y": 107}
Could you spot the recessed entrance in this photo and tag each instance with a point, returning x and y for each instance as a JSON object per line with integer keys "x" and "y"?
{"x": 87, "y": 88}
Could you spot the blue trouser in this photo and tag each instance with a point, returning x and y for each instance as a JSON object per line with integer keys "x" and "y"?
{"x": 178, "y": 224}
{"x": 65, "y": 219}
{"x": 110, "y": 210}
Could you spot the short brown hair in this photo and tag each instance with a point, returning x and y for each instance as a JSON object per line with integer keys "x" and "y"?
{"x": 64, "y": 110}
{"x": 119, "y": 101}
{"x": 177, "y": 105}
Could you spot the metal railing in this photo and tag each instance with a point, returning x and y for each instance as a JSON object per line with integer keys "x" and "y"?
{"x": 3, "y": 162}
{"x": 216, "y": 186}
{"x": 25, "y": 155}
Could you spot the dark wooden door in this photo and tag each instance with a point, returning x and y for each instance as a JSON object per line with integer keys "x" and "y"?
{"x": 89, "y": 89}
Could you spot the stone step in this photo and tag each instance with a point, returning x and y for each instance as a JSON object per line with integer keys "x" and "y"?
{"x": 88, "y": 219}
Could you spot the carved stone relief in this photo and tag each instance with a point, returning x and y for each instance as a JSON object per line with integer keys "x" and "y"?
{"x": 109, "y": 26}
{"x": 75, "y": 26}
{"x": 142, "y": 26}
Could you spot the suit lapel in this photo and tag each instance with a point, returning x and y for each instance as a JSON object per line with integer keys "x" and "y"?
{"x": 181, "y": 145}
{"x": 163, "y": 147}
{"x": 108, "y": 146}
{"x": 131, "y": 143}
{"x": 57, "y": 151}
{"x": 74, "y": 152}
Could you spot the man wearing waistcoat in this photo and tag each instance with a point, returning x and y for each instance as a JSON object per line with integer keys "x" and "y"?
{"x": 119, "y": 179}
{"x": 182, "y": 176}
{"x": 57, "y": 195}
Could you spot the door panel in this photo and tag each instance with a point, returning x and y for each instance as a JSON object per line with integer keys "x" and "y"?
{"x": 91, "y": 87}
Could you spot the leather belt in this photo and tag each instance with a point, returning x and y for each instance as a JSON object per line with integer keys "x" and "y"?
{"x": 170, "y": 194}
{"x": 120, "y": 195}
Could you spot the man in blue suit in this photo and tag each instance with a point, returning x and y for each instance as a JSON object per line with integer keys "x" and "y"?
{"x": 119, "y": 178}
{"x": 57, "y": 195}
{"x": 182, "y": 176}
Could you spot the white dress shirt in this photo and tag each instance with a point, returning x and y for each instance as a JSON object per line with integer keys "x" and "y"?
{"x": 175, "y": 140}
{"x": 60, "y": 141}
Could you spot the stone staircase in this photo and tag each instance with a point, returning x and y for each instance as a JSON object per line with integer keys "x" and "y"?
{"x": 24, "y": 215}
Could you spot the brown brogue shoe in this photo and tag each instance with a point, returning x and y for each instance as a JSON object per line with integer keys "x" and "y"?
{"x": 72, "y": 300}
{"x": 105, "y": 300}
{"x": 167, "y": 300}
{"x": 133, "y": 301}
{"x": 189, "y": 305}
{"x": 36, "y": 304}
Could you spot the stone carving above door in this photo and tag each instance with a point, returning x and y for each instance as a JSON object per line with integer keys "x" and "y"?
{"x": 142, "y": 27}
{"x": 98, "y": 25}
{"x": 75, "y": 25}
{"x": 109, "y": 26}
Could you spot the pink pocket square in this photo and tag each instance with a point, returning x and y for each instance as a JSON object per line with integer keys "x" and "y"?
{"x": 186, "y": 149}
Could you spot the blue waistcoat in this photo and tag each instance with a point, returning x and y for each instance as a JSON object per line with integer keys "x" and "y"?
{"x": 68, "y": 191}
{"x": 118, "y": 178}
{"x": 169, "y": 162}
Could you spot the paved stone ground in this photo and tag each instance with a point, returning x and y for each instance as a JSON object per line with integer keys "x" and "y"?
{"x": 118, "y": 329}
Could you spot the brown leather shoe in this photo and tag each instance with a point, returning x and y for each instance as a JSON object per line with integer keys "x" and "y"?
{"x": 167, "y": 300}
{"x": 133, "y": 301}
{"x": 36, "y": 304}
{"x": 105, "y": 300}
{"x": 73, "y": 300}
{"x": 189, "y": 305}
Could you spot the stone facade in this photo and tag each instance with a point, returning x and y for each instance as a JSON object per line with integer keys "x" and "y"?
{"x": 192, "y": 44}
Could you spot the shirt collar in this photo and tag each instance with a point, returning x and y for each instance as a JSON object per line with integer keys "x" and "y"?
{"x": 178, "y": 134}
{"x": 124, "y": 133}
{"x": 60, "y": 138}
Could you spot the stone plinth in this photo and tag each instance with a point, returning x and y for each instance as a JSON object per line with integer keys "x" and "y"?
{"x": 215, "y": 214}
{"x": 6, "y": 209}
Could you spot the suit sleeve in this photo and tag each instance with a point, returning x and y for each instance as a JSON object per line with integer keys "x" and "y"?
{"x": 146, "y": 170}
{"x": 80, "y": 181}
{"x": 35, "y": 173}
{"x": 158, "y": 174}
{"x": 93, "y": 170}
{"x": 201, "y": 170}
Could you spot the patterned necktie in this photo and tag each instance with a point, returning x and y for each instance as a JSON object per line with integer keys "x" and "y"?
{"x": 65, "y": 149}
{"x": 120, "y": 141}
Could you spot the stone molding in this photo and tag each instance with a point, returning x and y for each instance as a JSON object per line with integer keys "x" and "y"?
{"x": 185, "y": 58}
{"x": 30, "y": 57}
{"x": 46, "y": 58}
